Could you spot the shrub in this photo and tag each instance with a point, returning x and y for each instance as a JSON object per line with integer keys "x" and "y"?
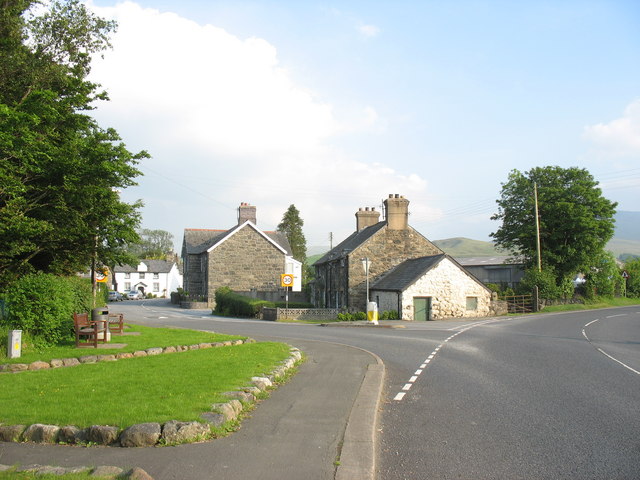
{"x": 544, "y": 280}
{"x": 389, "y": 315}
{"x": 41, "y": 305}
{"x": 233, "y": 304}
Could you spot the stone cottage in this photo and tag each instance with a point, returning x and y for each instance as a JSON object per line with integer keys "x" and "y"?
{"x": 431, "y": 288}
{"x": 243, "y": 258}
{"x": 340, "y": 276}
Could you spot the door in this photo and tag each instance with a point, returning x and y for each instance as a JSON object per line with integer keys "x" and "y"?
{"x": 421, "y": 308}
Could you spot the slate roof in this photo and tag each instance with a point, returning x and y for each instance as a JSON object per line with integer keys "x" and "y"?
{"x": 486, "y": 261}
{"x": 153, "y": 266}
{"x": 200, "y": 240}
{"x": 407, "y": 273}
{"x": 352, "y": 242}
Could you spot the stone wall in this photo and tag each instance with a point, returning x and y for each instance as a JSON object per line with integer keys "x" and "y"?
{"x": 386, "y": 249}
{"x": 245, "y": 261}
{"x": 448, "y": 286}
{"x": 274, "y": 314}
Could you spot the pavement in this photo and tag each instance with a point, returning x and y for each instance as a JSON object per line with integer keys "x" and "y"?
{"x": 320, "y": 425}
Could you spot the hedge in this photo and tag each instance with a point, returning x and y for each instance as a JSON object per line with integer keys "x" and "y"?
{"x": 42, "y": 305}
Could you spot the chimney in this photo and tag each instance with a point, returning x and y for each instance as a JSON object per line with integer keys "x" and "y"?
{"x": 246, "y": 212}
{"x": 366, "y": 217}
{"x": 397, "y": 208}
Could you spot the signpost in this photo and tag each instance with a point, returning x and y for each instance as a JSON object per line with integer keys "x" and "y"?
{"x": 286, "y": 281}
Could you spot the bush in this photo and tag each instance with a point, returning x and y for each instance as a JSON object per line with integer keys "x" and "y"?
{"x": 389, "y": 315}
{"x": 232, "y": 304}
{"x": 42, "y": 305}
{"x": 544, "y": 280}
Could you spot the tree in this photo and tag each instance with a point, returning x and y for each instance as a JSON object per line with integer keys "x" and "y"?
{"x": 291, "y": 227}
{"x": 60, "y": 172}
{"x": 632, "y": 267}
{"x": 154, "y": 244}
{"x": 576, "y": 221}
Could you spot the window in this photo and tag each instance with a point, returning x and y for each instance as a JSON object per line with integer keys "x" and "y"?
{"x": 141, "y": 275}
{"x": 156, "y": 276}
{"x": 472, "y": 303}
{"x": 127, "y": 286}
{"x": 127, "y": 275}
{"x": 156, "y": 287}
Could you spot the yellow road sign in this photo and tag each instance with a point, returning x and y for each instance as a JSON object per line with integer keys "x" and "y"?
{"x": 286, "y": 280}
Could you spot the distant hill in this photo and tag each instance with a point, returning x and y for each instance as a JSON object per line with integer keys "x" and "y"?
{"x": 465, "y": 247}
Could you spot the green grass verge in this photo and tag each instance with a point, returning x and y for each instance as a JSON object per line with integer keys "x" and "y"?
{"x": 149, "y": 337}
{"x": 597, "y": 303}
{"x": 13, "y": 475}
{"x": 159, "y": 388}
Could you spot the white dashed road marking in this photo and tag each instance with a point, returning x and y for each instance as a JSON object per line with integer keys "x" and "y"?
{"x": 414, "y": 378}
{"x": 584, "y": 333}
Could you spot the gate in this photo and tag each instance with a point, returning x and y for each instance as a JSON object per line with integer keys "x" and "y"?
{"x": 519, "y": 303}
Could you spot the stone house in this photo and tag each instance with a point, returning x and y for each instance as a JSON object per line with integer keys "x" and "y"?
{"x": 340, "y": 276}
{"x": 160, "y": 277}
{"x": 243, "y": 258}
{"x": 431, "y": 288}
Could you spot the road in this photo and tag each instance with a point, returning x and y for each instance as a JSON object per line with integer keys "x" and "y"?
{"x": 545, "y": 396}
{"x": 535, "y": 397}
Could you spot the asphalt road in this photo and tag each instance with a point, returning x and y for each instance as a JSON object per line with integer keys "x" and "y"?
{"x": 544, "y": 396}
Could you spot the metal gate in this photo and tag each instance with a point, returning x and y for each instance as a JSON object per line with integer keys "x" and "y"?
{"x": 519, "y": 303}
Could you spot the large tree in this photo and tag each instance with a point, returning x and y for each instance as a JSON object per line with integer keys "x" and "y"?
{"x": 60, "y": 172}
{"x": 154, "y": 244}
{"x": 291, "y": 226}
{"x": 576, "y": 221}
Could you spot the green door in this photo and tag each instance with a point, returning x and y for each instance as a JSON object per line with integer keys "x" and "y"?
{"x": 421, "y": 308}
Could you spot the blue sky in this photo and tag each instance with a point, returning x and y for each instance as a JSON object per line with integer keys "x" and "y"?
{"x": 333, "y": 106}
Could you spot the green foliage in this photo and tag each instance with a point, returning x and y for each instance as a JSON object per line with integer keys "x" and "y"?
{"x": 544, "y": 280}
{"x": 632, "y": 267}
{"x": 232, "y": 304}
{"x": 576, "y": 221}
{"x": 291, "y": 226}
{"x": 60, "y": 210}
{"x": 41, "y": 305}
{"x": 154, "y": 245}
{"x": 389, "y": 315}
{"x": 604, "y": 278}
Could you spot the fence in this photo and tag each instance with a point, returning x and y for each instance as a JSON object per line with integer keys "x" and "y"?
{"x": 299, "y": 313}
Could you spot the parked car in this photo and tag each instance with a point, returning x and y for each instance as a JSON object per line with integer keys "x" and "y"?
{"x": 115, "y": 296}
{"x": 134, "y": 295}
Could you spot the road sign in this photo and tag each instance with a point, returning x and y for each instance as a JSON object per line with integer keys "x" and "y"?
{"x": 625, "y": 274}
{"x": 286, "y": 280}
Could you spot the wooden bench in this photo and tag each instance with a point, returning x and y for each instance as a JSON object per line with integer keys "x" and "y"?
{"x": 88, "y": 332}
{"x": 116, "y": 323}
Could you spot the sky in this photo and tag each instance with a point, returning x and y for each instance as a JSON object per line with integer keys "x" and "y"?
{"x": 333, "y": 106}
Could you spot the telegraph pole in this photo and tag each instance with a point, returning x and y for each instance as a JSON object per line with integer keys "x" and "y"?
{"x": 535, "y": 197}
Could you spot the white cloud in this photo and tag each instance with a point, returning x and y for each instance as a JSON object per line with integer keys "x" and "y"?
{"x": 620, "y": 137}
{"x": 226, "y": 123}
{"x": 369, "y": 31}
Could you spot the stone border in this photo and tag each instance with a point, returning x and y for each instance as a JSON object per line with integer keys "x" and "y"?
{"x": 150, "y": 434}
{"x": 72, "y": 362}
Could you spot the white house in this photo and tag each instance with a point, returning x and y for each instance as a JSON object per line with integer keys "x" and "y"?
{"x": 430, "y": 288}
{"x": 159, "y": 277}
